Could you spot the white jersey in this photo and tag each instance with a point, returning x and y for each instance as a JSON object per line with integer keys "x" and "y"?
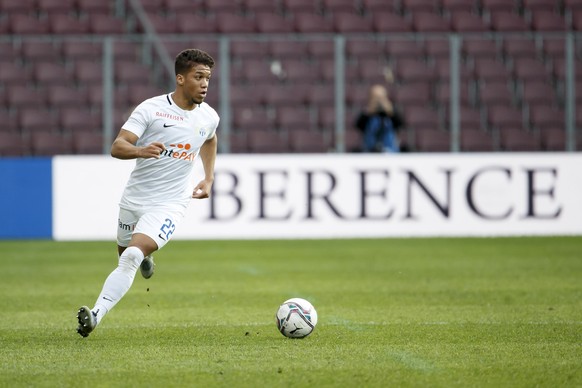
{"x": 167, "y": 181}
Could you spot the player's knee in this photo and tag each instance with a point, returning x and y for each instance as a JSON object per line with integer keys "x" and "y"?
{"x": 131, "y": 259}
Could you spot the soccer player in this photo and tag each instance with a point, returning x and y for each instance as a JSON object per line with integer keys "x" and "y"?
{"x": 164, "y": 134}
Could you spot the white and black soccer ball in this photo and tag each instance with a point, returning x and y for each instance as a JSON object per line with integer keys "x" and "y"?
{"x": 296, "y": 318}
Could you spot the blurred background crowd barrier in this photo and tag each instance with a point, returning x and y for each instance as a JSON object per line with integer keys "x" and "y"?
{"x": 292, "y": 75}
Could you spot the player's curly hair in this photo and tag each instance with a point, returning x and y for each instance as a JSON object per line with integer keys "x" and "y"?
{"x": 190, "y": 57}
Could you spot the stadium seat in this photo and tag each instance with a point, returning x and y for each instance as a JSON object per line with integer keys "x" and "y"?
{"x": 320, "y": 95}
{"x": 299, "y": 6}
{"x": 397, "y": 49}
{"x": 502, "y": 117}
{"x": 9, "y": 121}
{"x": 253, "y": 117}
{"x": 46, "y": 73}
{"x": 81, "y": 50}
{"x": 468, "y": 22}
{"x": 517, "y": 140}
{"x": 421, "y": 117}
{"x": 152, "y": 7}
{"x": 249, "y": 49}
{"x": 32, "y": 119}
{"x": 416, "y": 94}
{"x": 13, "y": 144}
{"x": 19, "y": 95}
{"x": 88, "y": 73}
{"x": 300, "y": 72}
{"x": 219, "y": 7}
{"x": 141, "y": 92}
{"x": 285, "y": 95}
{"x": 28, "y": 24}
{"x": 535, "y": 94}
{"x": 307, "y": 141}
{"x": 553, "y": 139}
{"x": 377, "y": 6}
{"x": 554, "y": 47}
{"x": 548, "y": 21}
{"x": 93, "y": 7}
{"x": 259, "y": 72}
{"x": 432, "y": 140}
{"x": 293, "y": 117}
{"x": 412, "y": 71}
{"x": 312, "y": 23}
{"x": 67, "y": 24}
{"x": 547, "y": 117}
{"x": 387, "y": 22}
{"x": 46, "y": 143}
{"x": 476, "y": 140}
{"x": 508, "y": 22}
{"x": 228, "y": 23}
{"x": 284, "y": 49}
{"x": 162, "y": 24}
{"x": 17, "y": 7}
{"x": 496, "y": 6}
{"x": 437, "y": 49}
{"x": 238, "y": 142}
{"x": 127, "y": 72}
{"x": 479, "y": 48}
{"x": 268, "y": 23}
{"x": 460, "y": 6}
{"x": 351, "y": 23}
{"x": 267, "y": 141}
{"x": 491, "y": 70}
{"x": 261, "y": 7}
{"x": 64, "y": 95}
{"x": 55, "y": 6}
{"x": 531, "y": 69}
{"x": 430, "y": 22}
{"x": 339, "y": 6}
{"x": 75, "y": 119}
{"x": 321, "y": 49}
{"x": 495, "y": 94}
{"x": 191, "y": 23}
{"x": 540, "y": 5}
{"x": 443, "y": 94}
{"x": 87, "y": 143}
{"x": 106, "y": 24}
{"x": 420, "y": 6}
{"x": 34, "y": 51}
{"x": 519, "y": 47}
{"x": 368, "y": 71}
{"x": 12, "y": 73}
{"x": 353, "y": 140}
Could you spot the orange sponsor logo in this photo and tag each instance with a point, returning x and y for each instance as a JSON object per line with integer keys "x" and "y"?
{"x": 180, "y": 151}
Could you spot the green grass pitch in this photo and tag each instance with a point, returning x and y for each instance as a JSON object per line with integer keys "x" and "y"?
{"x": 490, "y": 312}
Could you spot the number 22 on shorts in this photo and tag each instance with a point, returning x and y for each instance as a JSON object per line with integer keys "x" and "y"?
{"x": 167, "y": 229}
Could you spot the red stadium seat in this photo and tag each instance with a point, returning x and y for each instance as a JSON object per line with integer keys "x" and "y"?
{"x": 541, "y": 5}
{"x": 9, "y": 122}
{"x": 78, "y": 49}
{"x": 37, "y": 119}
{"x": 127, "y": 72}
{"x": 88, "y": 73}
{"x": 312, "y": 23}
{"x": 468, "y": 22}
{"x": 553, "y": 139}
{"x": 238, "y": 142}
{"x": 548, "y": 21}
{"x": 17, "y": 7}
{"x": 19, "y": 95}
{"x": 45, "y": 143}
{"x": 252, "y": 49}
{"x": 94, "y": 7}
{"x": 454, "y": 6}
{"x": 413, "y": 71}
{"x": 283, "y": 49}
{"x": 430, "y": 22}
{"x": 252, "y": 117}
{"x": 432, "y": 140}
{"x": 404, "y": 49}
{"x": 495, "y": 94}
{"x": 223, "y": 7}
{"x": 479, "y": 48}
{"x": 299, "y": 6}
{"x": 40, "y": 51}
{"x": 495, "y": 6}
{"x": 228, "y": 23}
{"x": 351, "y": 23}
{"x": 363, "y": 48}
{"x": 45, "y": 73}
{"x": 67, "y": 24}
{"x": 65, "y": 95}
{"x": 74, "y": 119}
{"x": 162, "y": 24}
{"x": 519, "y": 47}
{"x": 420, "y": 6}
{"x": 55, "y": 6}
{"x": 503, "y": 117}
{"x": 106, "y": 24}
{"x": 300, "y": 72}
{"x": 293, "y": 117}
{"x": 28, "y": 24}
{"x": 87, "y": 142}
{"x": 437, "y": 48}
{"x": 267, "y": 141}
{"x": 386, "y": 22}
{"x": 491, "y": 70}
{"x": 517, "y": 139}
{"x": 307, "y": 141}
{"x": 376, "y": 6}
{"x": 190, "y": 23}
{"x": 538, "y": 93}
{"x": 11, "y": 73}
{"x": 13, "y": 144}
{"x": 421, "y": 117}
{"x": 261, "y": 6}
{"x": 547, "y": 117}
{"x": 531, "y": 69}
{"x": 339, "y": 6}
{"x": 476, "y": 140}
{"x": 321, "y": 49}
{"x": 508, "y": 22}
{"x": 319, "y": 95}
{"x": 272, "y": 23}
{"x": 443, "y": 94}
{"x": 417, "y": 94}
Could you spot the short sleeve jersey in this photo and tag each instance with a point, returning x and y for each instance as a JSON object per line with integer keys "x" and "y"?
{"x": 167, "y": 181}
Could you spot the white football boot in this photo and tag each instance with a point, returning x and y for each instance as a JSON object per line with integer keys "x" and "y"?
{"x": 87, "y": 321}
{"x": 147, "y": 267}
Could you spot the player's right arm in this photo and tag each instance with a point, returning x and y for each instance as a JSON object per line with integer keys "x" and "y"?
{"x": 124, "y": 147}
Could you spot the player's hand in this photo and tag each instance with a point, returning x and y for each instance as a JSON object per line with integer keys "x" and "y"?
{"x": 152, "y": 150}
{"x": 202, "y": 189}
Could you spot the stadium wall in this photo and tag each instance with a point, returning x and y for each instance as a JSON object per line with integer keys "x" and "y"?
{"x": 312, "y": 196}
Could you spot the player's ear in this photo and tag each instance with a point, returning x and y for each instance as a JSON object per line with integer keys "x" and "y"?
{"x": 180, "y": 79}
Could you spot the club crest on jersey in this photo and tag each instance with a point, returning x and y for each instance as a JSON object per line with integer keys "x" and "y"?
{"x": 203, "y": 132}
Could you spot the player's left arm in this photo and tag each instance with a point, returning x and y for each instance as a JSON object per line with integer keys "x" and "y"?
{"x": 208, "y": 157}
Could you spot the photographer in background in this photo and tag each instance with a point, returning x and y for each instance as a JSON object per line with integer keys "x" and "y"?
{"x": 380, "y": 122}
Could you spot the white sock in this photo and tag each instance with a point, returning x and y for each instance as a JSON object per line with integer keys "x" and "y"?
{"x": 118, "y": 282}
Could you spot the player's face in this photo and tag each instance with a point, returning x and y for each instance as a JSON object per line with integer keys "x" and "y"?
{"x": 195, "y": 83}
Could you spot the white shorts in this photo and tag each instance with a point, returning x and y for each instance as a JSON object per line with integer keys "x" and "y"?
{"x": 159, "y": 224}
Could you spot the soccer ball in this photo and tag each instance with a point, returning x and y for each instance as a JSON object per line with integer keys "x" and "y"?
{"x": 296, "y": 318}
